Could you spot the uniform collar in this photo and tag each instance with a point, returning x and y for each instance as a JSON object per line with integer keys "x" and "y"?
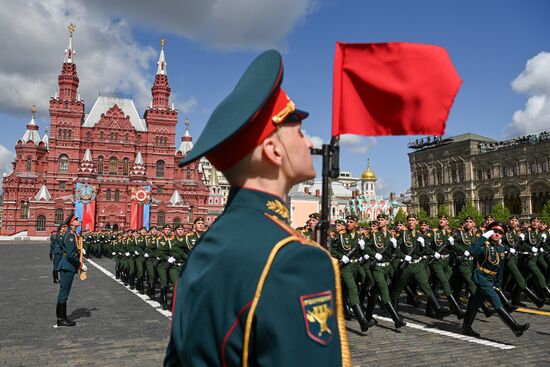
{"x": 258, "y": 200}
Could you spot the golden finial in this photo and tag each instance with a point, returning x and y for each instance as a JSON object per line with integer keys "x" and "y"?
{"x": 33, "y": 110}
{"x": 71, "y": 28}
{"x": 162, "y": 41}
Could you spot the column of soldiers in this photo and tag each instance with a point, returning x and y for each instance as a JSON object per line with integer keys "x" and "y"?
{"x": 145, "y": 260}
{"x": 494, "y": 266}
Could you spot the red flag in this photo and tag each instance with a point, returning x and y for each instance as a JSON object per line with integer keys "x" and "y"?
{"x": 392, "y": 89}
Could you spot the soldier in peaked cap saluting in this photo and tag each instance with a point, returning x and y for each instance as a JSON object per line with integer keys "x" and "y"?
{"x": 68, "y": 266}
{"x": 271, "y": 310}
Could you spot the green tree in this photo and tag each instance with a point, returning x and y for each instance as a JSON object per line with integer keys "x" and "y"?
{"x": 470, "y": 210}
{"x": 501, "y": 213}
{"x": 545, "y": 215}
{"x": 400, "y": 216}
{"x": 422, "y": 215}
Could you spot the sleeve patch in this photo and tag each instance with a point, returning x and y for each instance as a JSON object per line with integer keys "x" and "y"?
{"x": 319, "y": 316}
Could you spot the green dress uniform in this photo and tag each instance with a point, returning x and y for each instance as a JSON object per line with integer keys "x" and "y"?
{"x": 180, "y": 249}
{"x": 150, "y": 258}
{"x": 529, "y": 250}
{"x": 269, "y": 300}
{"x": 463, "y": 261}
{"x": 164, "y": 245}
{"x": 139, "y": 251}
{"x": 487, "y": 277}
{"x": 410, "y": 250}
{"x": 379, "y": 251}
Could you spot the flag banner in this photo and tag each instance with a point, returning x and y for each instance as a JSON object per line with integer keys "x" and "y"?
{"x": 85, "y": 203}
{"x": 139, "y": 207}
{"x": 394, "y": 88}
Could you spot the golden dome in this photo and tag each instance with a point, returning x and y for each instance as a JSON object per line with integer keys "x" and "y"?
{"x": 368, "y": 174}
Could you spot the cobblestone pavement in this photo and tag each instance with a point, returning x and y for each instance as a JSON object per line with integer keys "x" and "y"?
{"x": 117, "y": 328}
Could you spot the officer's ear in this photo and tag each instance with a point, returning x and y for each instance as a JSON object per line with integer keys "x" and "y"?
{"x": 272, "y": 150}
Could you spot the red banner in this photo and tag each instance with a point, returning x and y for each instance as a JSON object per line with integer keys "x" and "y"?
{"x": 88, "y": 216}
{"x": 392, "y": 89}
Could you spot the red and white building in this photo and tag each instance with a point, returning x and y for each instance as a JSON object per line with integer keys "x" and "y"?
{"x": 111, "y": 148}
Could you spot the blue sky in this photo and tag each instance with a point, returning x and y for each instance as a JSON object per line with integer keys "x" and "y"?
{"x": 499, "y": 48}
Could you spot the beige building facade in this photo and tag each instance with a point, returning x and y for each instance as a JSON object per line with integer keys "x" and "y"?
{"x": 449, "y": 171}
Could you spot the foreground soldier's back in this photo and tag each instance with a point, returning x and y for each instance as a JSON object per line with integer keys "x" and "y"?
{"x": 271, "y": 298}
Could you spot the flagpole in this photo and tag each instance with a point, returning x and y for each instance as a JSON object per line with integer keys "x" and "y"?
{"x": 331, "y": 169}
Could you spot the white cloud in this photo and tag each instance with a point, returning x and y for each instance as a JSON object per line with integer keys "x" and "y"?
{"x": 222, "y": 24}
{"x": 534, "y": 81}
{"x": 316, "y": 140}
{"x": 6, "y": 157}
{"x": 357, "y": 144}
{"x": 382, "y": 188}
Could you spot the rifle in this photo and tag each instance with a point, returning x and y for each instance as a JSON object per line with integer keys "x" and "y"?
{"x": 331, "y": 169}
{"x": 382, "y": 253}
{"x": 405, "y": 263}
{"x": 440, "y": 250}
{"x": 349, "y": 255}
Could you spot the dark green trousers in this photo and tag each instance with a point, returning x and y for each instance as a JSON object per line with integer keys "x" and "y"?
{"x": 65, "y": 285}
{"x": 412, "y": 271}
{"x": 441, "y": 271}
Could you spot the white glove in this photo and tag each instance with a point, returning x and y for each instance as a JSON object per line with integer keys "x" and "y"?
{"x": 393, "y": 242}
{"x": 171, "y": 260}
{"x": 534, "y": 249}
{"x": 378, "y": 257}
{"x": 543, "y": 237}
{"x": 421, "y": 241}
{"x": 146, "y": 255}
{"x": 437, "y": 255}
{"x": 522, "y": 236}
{"x": 135, "y": 252}
{"x": 362, "y": 244}
{"x": 83, "y": 251}
{"x": 114, "y": 253}
{"x": 84, "y": 267}
{"x": 541, "y": 250}
{"x": 366, "y": 257}
{"x": 408, "y": 258}
{"x": 488, "y": 234}
{"x": 451, "y": 241}
{"x": 158, "y": 258}
{"x": 127, "y": 254}
{"x": 466, "y": 253}
{"x": 345, "y": 259}
{"x": 513, "y": 251}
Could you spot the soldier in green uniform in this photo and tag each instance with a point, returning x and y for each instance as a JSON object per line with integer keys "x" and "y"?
{"x": 379, "y": 249}
{"x": 162, "y": 254}
{"x": 150, "y": 258}
{"x": 440, "y": 245}
{"x": 139, "y": 251}
{"x": 410, "y": 249}
{"x": 510, "y": 242}
{"x": 312, "y": 222}
{"x": 193, "y": 237}
{"x": 178, "y": 254}
{"x": 272, "y": 297}
{"x": 347, "y": 248}
{"x": 529, "y": 249}
{"x": 462, "y": 259}
{"x": 488, "y": 278}
{"x": 68, "y": 266}
{"x": 56, "y": 252}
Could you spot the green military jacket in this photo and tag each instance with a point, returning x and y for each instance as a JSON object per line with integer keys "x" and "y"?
{"x": 271, "y": 297}
{"x": 532, "y": 238}
{"x": 164, "y": 244}
{"x": 151, "y": 246}
{"x": 179, "y": 249}
{"x": 344, "y": 243}
{"x": 191, "y": 240}
{"x": 405, "y": 243}
{"x": 463, "y": 240}
{"x": 379, "y": 242}
{"x": 439, "y": 239}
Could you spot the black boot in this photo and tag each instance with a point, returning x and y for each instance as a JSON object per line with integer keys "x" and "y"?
{"x": 117, "y": 273}
{"x": 455, "y": 308}
{"x": 125, "y": 278}
{"x": 429, "y": 310}
{"x": 363, "y": 323}
{"x": 487, "y": 311}
{"x": 151, "y": 291}
{"x": 348, "y": 312}
{"x": 546, "y": 292}
{"x": 516, "y": 297}
{"x": 140, "y": 285}
{"x": 395, "y": 303}
{"x": 412, "y": 297}
{"x": 131, "y": 281}
{"x": 469, "y": 318}
{"x": 533, "y": 297}
{"x": 62, "y": 319}
{"x": 369, "y": 310}
{"x": 440, "y": 311}
{"x": 55, "y": 275}
{"x": 164, "y": 298}
{"x": 397, "y": 319}
{"x": 505, "y": 302}
{"x": 518, "y": 329}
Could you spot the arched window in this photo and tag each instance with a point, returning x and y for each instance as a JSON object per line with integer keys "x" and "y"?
{"x": 117, "y": 195}
{"x": 88, "y": 136}
{"x": 25, "y": 210}
{"x": 125, "y": 166}
{"x": 40, "y": 223}
{"x": 161, "y": 219}
{"x": 101, "y": 135}
{"x": 188, "y": 173}
{"x": 160, "y": 168}
{"x": 29, "y": 165}
{"x": 59, "y": 133}
{"x": 113, "y": 166}
{"x": 108, "y": 195}
{"x": 100, "y": 165}
{"x": 64, "y": 133}
{"x": 59, "y": 216}
{"x": 63, "y": 163}
{"x": 69, "y": 134}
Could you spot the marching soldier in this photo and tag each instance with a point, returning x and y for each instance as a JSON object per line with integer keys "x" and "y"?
{"x": 510, "y": 242}
{"x": 530, "y": 249}
{"x": 379, "y": 248}
{"x": 193, "y": 237}
{"x": 178, "y": 254}
{"x": 488, "y": 278}
{"x": 250, "y": 300}
{"x": 410, "y": 250}
{"x": 312, "y": 222}
{"x": 164, "y": 244}
{"x": 150, "y": 258}
{"x": 68, "y": 266}
{"x": 139, "y": 252}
